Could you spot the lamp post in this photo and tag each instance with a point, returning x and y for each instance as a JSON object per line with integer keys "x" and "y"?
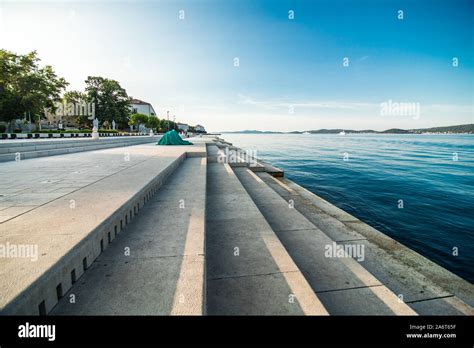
{"x": 168, "y": 119}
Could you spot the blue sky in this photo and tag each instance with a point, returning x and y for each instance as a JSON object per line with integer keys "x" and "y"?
{"x": 290, "y": 74}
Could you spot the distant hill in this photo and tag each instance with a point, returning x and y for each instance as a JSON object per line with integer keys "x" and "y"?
{"x": 397, "y": 131}
{"x": 464, "y": 128}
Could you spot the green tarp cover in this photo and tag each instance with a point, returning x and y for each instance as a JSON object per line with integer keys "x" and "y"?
{"x": 172, "y": 138}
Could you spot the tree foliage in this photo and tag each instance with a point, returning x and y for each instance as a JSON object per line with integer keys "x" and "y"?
{"x": 112, "y": 101}
{"x": 168, "y": 125}
{"x": 153, "y": 123}
{"x": 78, "y": 97}
{"x": 138, "y": 119}
{"x": 75, "y": 97}
{"x": 25, "y": 87}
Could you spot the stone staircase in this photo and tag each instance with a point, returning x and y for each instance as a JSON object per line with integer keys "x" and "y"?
{"x": 163, "y": 273}
{"x": 71, "y": 230}
{"x": 249, "y": 272}
{"x": 15, "y": 150}
{"x": 340, "y": 282}
{"x": 203, "y": 237}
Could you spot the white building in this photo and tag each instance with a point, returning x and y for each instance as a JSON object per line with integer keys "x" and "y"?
{"x": 199, "y": 128}
{"x": 140, "y": 107}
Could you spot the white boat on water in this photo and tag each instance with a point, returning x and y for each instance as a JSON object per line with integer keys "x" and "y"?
{"x": 306, "y": 133}
{"x": 342, "y": 133}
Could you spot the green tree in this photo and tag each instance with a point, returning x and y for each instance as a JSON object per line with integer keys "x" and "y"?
{"x": 138, "y": 119}
{"x": 77, "y": 97}
{"x": 168, "y": 125}
{"x": 25, "y": 87}
{"x": 153, "y": 123}
{"x": 112, "y": 101}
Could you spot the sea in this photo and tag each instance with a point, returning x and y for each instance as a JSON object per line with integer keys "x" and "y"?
{"x": 416, "y": 188}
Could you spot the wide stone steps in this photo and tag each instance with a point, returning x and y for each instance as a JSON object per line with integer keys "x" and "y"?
{"x": 71, "y": 230}
{"x": 423, "y": 285}
{"x": 199, "y": 237}
{"x": 156, "y": 266}
{"x": 341, "y": 283}
{"x": 248, "y": 270}
{"x": 15, "y": 150}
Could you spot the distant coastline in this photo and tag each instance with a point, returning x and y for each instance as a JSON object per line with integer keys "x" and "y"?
{"x": 460, "y": 129}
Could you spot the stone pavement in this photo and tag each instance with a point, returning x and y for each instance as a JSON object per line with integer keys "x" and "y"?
{"x": 65, "y": 205}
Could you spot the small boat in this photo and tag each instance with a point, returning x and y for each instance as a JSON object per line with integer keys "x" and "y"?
{"x": 306, "y": 133}
{"x": 342, "y": 133}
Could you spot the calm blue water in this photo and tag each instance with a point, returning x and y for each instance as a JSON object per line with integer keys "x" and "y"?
{"x": 437, "y": 192}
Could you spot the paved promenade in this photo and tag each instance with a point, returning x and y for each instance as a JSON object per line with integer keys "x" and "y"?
{"x": 28, "y": 184}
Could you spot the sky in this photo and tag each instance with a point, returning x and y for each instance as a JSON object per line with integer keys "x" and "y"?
{"x": 250, "y": 64}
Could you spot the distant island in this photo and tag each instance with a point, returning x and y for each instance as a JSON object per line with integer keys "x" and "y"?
{"x": 461, "y": 129}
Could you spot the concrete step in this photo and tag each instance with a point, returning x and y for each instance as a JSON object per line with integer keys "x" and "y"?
{"x": 248, "y": 270}
{"x": 426, "y": 287}
{"x": 213, "y": 153}
{"x": 163, "y": 273}
{"x": 7, "y": 146}
{"x": 72, "y": 228}
{"x": 342, "y": 284}
{"x": 13, "y": 151}
{"x": 268, "y": 168}
{"x": 224, "y": 153}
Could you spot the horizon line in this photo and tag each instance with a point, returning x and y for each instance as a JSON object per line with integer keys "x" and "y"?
{"x": 340, "y": 129}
